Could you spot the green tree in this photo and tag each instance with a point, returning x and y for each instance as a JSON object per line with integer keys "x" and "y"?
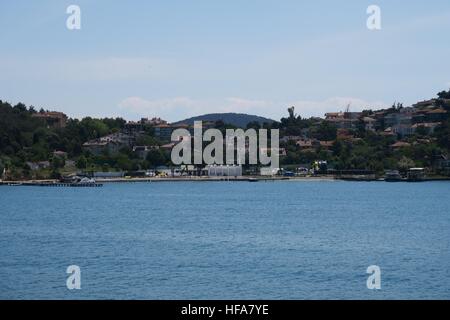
{"x": 422, "y": 131}
{"x": 2, "y": 168}
{"x": 405, "y": 163}
{"x": 444, "y": 94}
{"x": 156, "y": 158}
{"x": 57, "y": 163}
{"x": 326, "y": 131}
{"x": 81, "y": 162}
{"x": 124, "y": 163}
{"x": 442, "y": 135}
{"x": 146, "y": 140}
{"x": 254, "y": 125}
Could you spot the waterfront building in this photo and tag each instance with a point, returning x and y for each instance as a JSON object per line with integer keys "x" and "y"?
{"x": 108, "y": 175}
{"x": 269, "y": 171}
{"x": 192, "y": 170}
{"x": 224, "y": 170}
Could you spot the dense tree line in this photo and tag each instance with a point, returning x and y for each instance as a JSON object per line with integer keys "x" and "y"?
{"x": 26, "y": 138}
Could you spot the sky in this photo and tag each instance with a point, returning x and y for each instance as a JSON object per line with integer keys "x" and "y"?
{"x": 177, "y": 59}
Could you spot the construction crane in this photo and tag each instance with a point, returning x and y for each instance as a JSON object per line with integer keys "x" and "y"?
{"x": 347, "y": 109}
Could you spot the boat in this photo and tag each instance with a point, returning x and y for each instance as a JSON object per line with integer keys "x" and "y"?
{"x": 86, "y": 180}
{"x": 392, "y": 176}
{"x": 416, "y": 175}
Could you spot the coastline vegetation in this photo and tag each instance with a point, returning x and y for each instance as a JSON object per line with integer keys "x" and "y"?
{"x": 31, "y": 148}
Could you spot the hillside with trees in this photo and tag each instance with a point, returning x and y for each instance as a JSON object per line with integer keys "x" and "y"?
{"x": 240, "y": 120}
{"x": 33, "y": 147}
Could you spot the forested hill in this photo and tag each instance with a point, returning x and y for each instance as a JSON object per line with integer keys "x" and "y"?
{"x": 240, "y": 120}
{"x": 25, "y": 137}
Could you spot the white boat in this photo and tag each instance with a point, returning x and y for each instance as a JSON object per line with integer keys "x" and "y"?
{"x": 87, "y": 180}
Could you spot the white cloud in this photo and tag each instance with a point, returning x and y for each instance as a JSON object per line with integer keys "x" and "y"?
{"x": 178, "y": 108}
{"x": 240, "y": 105}
{"x": 158, "y": 107}
{"x": 319, "y": 108}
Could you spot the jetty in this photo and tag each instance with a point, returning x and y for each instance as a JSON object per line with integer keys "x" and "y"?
{"x": 51, "y": 184}
{"x": 63, "y": 184}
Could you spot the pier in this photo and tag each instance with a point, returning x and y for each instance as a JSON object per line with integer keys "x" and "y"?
{"x": 52, "y": 184}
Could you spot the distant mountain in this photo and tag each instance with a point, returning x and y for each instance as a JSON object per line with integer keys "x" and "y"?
{"x": 237, "y": 119}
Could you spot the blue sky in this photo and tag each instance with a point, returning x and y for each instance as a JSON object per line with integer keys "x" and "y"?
{"x": 176, "y": 59}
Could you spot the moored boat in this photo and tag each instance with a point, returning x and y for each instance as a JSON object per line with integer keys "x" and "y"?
{"x": 416, "y": 175}
{"x": 14, "y": 184}
{"x": 392, "y": 176}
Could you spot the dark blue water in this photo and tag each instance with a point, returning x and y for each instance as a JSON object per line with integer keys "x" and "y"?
{"x": 226, "y": 240}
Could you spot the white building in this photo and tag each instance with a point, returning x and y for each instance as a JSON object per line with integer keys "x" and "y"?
{"x": 224, "y": 170}
{"x": 269, "y": 171}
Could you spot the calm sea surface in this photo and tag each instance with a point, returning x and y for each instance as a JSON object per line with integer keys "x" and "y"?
{"x": 226, "y": 240}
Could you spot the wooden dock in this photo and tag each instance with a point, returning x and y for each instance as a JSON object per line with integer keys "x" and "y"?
{"x": 55, "y": 184}
{"x": 71, "y": 185}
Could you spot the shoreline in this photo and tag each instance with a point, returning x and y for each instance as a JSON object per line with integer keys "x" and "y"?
{"x": 215, "y": 179}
